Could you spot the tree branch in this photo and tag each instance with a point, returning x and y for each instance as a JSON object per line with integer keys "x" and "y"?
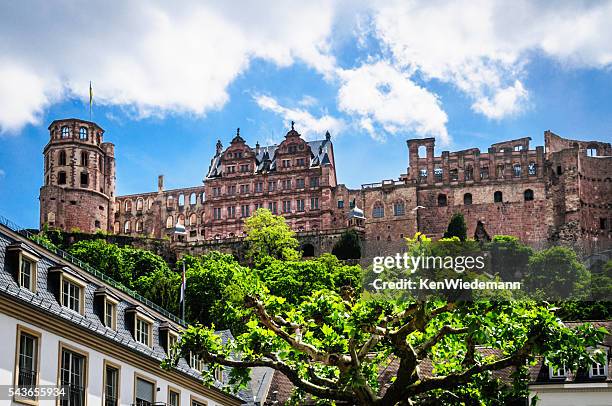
{"x": 444, "y": 331}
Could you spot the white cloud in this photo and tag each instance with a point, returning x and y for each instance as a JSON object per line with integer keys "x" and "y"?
{"x": 309, "y": 126}
{"x": 379, "y": 93}
{"x": 482, "y": 46}
{"x": 154, "y": 57}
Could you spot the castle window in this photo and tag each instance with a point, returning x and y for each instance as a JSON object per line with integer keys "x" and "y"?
{"x": 454, "y": 174}
{"x": 139, "y": 226}
{"x": 84, "y": 179}
{"x": 271, "y": 186}
{"x": 65, "y": 132}
{"x": 231, "y": 190}
{"x": 484, "y": 172}
{"x": 84, "y": 158}
{"x": 286, "y": 184}
{"x": 292, "y": 149}
{"x": 244, "y": 189}
{"x": 61, "y": 178}
{"x": 423, "y": 175}
{"x": 217, "y": 213}
{"x": 273, "y": 207}
{"x": 286, "y": 206}
{"x": 532, "y": 169}
{"x": 231, "y": 212}
{"x": 314, "y": 182}
{"x": 169, "y": 222}
{"x": 286, "y": 163}
{"x": 518, "y": 148}
{"x": 97, "y": 224}
{"x": 170, "y": 202}
{"x": 139, "y": 204}
{"x": 516, "y": 169}
{"x": 193, "y": 219}
{"x": 497, "y": 197}
{"x": 438, "y": 174}
{"x": 314, "y": 203}
{"x": 442, "y": 201}
{"x": 83, "y": 133}
{"x": 128, "y": 206}
{"x": 300, "y": 204}
{"x": 127, "y": 227}
{"x": 299, "y": 183}
{"x": 62, "y": 158}
{"x": 469, "y": 173}
{"x": 422, "y": 151}
{"x": 399, "y": 209}
{"x": 603, "y": 223}
{"x": 244, "y": 168}
{"x": 340, "y": 204}
{"x": 300, "y": 162}
{"x": 467, "y": 199}
{"x": 192, "y": 199}
{"x": 378, "y": 210}
{"x": 591, "y": 151}
{"x": 245, "y": 210}
{"x": 528, "y": 195}
{"x": 231, "y": 169}
{"x": 181, "y": 200}
{"x": 116, "y": 227}
{"x": 258, "y": 187}
{"x": 181, "y": 220}
{"x": 559, "y": 170}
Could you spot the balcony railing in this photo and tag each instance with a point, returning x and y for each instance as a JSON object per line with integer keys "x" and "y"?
{"x": 26, "y": 380}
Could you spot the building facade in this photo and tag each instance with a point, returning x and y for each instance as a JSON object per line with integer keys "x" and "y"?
{"x": 559, "y": 191}
{"x": 74, "y": 328}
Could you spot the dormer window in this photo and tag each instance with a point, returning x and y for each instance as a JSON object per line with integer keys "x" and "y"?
{"x": 557, "y": 372}
{"x": 195, "y": 362}
{"x": 83, "y": 133}
{"x": 140, "y": 325}
{"x": 105, "y": 304}
{"x": 69, "y": 288}
{"x": 168, "y": 338}
{"x": 23, "y": 262}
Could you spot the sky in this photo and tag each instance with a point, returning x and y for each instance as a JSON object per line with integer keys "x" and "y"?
{"x": 170, "y": 78}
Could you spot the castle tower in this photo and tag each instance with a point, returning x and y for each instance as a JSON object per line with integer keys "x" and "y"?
{"x": 79, "y": 181}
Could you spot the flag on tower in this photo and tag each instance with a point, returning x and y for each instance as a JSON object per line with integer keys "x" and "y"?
{"x": 90, "y": 99}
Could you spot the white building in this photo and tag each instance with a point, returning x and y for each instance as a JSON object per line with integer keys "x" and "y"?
{"x": 61, "y": 324}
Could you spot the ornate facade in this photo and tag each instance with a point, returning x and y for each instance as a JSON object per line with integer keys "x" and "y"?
{"x": 559, "y": 191}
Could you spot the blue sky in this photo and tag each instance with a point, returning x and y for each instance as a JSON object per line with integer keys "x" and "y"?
{"x": 171, "y": 82}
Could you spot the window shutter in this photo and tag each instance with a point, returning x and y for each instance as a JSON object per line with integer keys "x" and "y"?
{"x": 144, "y": 390}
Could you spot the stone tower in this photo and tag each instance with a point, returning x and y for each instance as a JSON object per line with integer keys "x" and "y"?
{"x": 79, "y": 181}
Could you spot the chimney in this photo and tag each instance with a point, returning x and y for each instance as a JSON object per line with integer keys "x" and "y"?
{"x": 160, "y": 183}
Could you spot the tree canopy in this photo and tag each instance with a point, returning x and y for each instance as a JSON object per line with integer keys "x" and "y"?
{"x": 268, "y": 235}
{"x": 347, "y": 247}
{"x": 457, "y": 227}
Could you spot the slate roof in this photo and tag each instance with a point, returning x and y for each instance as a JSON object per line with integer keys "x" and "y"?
{"x": 265, "y": 160}
{"x": 44, "y": 301}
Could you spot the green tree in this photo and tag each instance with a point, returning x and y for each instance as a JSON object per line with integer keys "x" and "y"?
{"x": 103, "y": 256}
{"x": 557, "y": 274}
{"x": 348, "y": 246}
{"x": 509, "y": 257}
{"x": 161, "y": 286}
{"x": 456, "y": 227}
{"x": 333, "y": 347}
{"x": 268, "y": 235}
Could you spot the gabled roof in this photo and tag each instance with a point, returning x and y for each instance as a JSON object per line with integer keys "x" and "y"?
{"x": 265, "y": 158}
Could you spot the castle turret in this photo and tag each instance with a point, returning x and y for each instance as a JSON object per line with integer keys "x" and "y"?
{"x": 79, "y": 181}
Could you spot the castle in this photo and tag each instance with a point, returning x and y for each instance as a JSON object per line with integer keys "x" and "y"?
{"x": 562, "y": 191}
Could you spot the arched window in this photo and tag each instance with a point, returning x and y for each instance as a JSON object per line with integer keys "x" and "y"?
{"x": 65, "y": 132}
{"x": 497, "y": 197}
{"x": 139, "y": 204}
{"x": 117, "y": 207}
{"x": 193, "y": 219}
{"x": 438, "y": 174}
{"x": 203, "y": 216}
{"x": 467, "y": 199}
{"x": 532, "y": 169}
{"x": 116, "y": 227}
{"x": 516, "y": 169}
{"x": 500, "y": 171}
{"x": 308, "y": 250}
{"x": 399, "y": 208}
{"x": 169, "y": 222}
{"x": 61, "y": 160}
{"x": 469, "y": 173}
{"x": 139, "y": 226}
{"x": 528, "y": 195}
{"x": 126, "y": 227}
{"x": 591, "y": 150}
{"x": 442, "y": 200}
{"x": 128, "y": 206}
{"x": 150, "y": 203}
{"x": 170, "y": 201}
{"x": 84, "y": 158}
{"x": 83, "y": 133}
{"x": 192, "y": 199}
{"x": 422, "y": 151}
{"x": 378, "y": 211}
{"x": 181, "y": 220}
{"x": 181, "y": 200}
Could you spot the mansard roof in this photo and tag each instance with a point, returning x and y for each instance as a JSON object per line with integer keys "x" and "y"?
{"x": 265, "y": 157}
